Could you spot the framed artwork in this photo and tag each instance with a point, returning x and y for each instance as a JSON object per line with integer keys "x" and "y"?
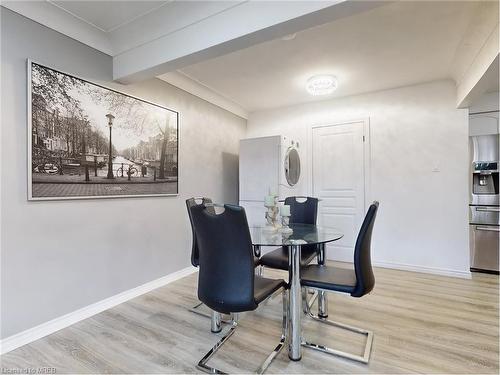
{"x": 89, "y": 141}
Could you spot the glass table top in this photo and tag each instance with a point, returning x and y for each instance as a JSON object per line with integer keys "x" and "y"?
{"x": 302, "y": 234}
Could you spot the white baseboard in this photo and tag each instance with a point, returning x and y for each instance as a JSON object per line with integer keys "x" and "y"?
{"x": 432, "y": 270}
{"x": 44, "y": 329}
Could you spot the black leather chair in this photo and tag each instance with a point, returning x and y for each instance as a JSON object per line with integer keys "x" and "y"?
{"x": 302, "y": 213}
{"x": 216, "y": 319}
{"x": 227, "y": 282}
{"x": 207, "y": 202}
{"x": 357, "y": 282}
{"x": 191, "y": 202}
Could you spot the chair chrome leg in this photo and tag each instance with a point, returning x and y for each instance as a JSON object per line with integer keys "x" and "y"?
{"x": 310, "y": 301}
{"x": 360, "y": 358}
{"x": 284, "y": 327}
{"x": 202, "y": 364}
{"x": 322, "y": 297}
{"x": 215, "y": 322}
{"x": 322, "y": 304}
{"x": 235, "y": 317}
{"x": 195, "y": 309}
{"x": 259, "y": 271}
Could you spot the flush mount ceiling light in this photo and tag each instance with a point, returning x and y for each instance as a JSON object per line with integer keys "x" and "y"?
{"x": 321, "y": 85}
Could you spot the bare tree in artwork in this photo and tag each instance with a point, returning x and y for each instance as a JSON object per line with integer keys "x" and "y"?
{"x": 53, "y": 87}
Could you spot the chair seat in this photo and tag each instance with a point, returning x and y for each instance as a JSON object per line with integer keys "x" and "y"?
{"x": 278, "y": 258}
{"x": 328, "y": 278}
{"x": 264, "y": 287}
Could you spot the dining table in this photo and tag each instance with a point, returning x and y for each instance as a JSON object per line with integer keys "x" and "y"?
{"x": 293, "y": 239}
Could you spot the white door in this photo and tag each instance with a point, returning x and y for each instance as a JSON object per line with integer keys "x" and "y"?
{"x": 338, "y": 175}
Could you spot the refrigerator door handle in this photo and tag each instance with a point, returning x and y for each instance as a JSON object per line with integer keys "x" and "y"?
{"x": 488, "y": 229}
{"x": 488, "y": 209}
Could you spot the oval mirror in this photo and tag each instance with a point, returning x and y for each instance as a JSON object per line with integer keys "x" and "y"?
{"x": 292, "y": 166}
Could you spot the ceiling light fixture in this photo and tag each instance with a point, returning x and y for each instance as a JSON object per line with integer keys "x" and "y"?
{"x": 321, "y": 85}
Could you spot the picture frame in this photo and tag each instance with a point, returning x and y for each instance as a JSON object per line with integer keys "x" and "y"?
{"x": 69, "y": 146}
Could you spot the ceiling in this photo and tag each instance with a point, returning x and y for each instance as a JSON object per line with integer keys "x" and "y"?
{"x": 397, "y": 44}
{"x": 108, "y": 15}
{"x": 368, "y": 45}
{"x": 115, "y": 27}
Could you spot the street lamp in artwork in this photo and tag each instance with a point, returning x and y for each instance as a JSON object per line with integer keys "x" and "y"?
{"x": 110, "y": 161}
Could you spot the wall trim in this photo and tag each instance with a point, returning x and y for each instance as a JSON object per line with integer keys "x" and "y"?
{"x": 25, "y": 337}
{"x": 422, "y": 269}
{"x": 191, "y": 85}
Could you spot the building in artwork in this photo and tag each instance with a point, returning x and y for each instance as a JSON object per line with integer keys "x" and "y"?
{"x": 150, "y": 151}
{"x": 56, "y": 136}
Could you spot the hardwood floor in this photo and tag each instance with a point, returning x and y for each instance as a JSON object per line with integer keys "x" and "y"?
{"x": 422, "y": 323}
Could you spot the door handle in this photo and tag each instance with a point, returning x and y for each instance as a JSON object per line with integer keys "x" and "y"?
{"x": 488, "y": 229}
{"x": 488, "y": 209}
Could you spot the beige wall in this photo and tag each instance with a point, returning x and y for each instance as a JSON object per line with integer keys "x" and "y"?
{"x": 57, "y": 257}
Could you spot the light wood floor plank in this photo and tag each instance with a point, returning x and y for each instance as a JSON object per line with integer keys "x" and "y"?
{"x": 422, "y": 324}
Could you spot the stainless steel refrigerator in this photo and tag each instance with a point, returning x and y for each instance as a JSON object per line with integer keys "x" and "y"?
{"x": 484, "y": 205}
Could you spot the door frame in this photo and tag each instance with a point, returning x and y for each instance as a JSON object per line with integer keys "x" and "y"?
{"x": 366, "y": 155}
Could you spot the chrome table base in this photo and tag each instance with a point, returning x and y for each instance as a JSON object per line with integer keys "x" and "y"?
{"x": 202, "y": 364}
{"x": 294, "y": 311}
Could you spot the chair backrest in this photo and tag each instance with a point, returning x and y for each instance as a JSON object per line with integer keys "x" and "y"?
{"x": 226, "y": 276}
{"x": 303, "y": 212}
{"x": 191, "y": 202}
{"x": 365, "y": 280}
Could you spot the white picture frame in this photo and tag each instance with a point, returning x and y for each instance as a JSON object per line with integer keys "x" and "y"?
{"x": 59, "y": 168}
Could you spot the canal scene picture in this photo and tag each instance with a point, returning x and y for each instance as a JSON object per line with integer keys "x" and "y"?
{"x": 88, "y": 141}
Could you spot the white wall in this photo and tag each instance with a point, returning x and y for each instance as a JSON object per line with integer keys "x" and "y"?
{"x": 422, "y": 222}
{"x": 57, "y": 257}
